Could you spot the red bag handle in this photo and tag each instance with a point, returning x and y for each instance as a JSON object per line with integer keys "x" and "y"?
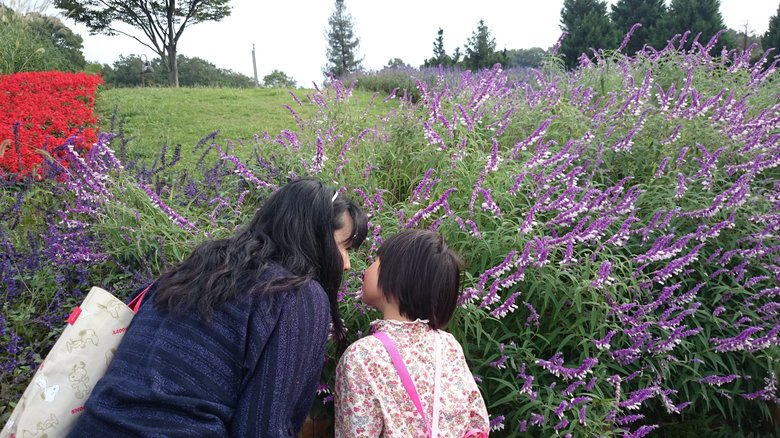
{"x": 136, "y": 302}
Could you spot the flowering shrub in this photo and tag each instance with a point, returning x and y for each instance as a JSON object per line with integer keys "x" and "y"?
{"x": 620, "y": 225}
{"x": 38, "y": 111}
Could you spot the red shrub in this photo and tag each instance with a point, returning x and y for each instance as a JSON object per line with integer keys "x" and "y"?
{"x": 38, "y": 111}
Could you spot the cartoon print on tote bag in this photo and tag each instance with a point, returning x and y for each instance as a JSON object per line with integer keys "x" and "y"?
{"x": 79, "y": 380}
{"x": 42, "y": 427}
{"x": 49, "y": 392}
{"x": 85, "y": 337}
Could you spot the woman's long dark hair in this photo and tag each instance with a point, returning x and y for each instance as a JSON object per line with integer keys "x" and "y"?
{"x": 294, "y": 228}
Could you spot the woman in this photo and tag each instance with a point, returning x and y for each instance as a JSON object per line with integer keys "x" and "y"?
{"x": 231, "y": 342}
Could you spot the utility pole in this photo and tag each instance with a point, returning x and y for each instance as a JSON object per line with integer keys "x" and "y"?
{"x": 254, "y": 65}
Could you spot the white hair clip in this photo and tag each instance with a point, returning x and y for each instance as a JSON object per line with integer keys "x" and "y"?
{"x": 335, "y": 195}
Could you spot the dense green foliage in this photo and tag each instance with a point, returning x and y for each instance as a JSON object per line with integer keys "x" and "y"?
{"x": 648, "y": 13}
{"x": 36, "y": 42}
{"x": 771, "y": 38}
{"x": 128, "y": 71}
{"x": 588, "y": 27}
{"x": 696, "y": 16}
{"x": 278, "y": 79}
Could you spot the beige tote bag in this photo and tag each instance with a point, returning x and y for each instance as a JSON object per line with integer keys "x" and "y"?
{"x": 54, "y": 399}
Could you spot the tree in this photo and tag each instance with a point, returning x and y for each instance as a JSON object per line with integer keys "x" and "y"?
{"x": 626, "y": 13}
{"x": 481, "y": 49}
{"x": 695, "y": 16}
{"x": 161, "y": 21}
{"x": 771, "y": 38}
{"x": 440, "y": 56}
{"x": 278, "y": 79}
{"x": 342, "y": 43}
{"x": 588, "y": 26}
{"x": 396, "y": 63}
{"x": 532, "y": 57}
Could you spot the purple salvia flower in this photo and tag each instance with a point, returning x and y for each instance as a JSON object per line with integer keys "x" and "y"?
{"x": 175, "y": 217}
{"x": 555, "y": 366}
{"x": 638, "y": 397}
{"x": 244, "y": 172}
{"x": 561, "y": 424}
{"x": 628, "y": 36}
{"x": 604, "y": 343}
{"x": 740, "y": 342}
{"x": 492, "y": 163}
{"x": 676, "y": 266}
{"x": 557, "y": 44}
{"x": 497, "y": 423}
{"x": 718, "y": 380}
{"x": 628, "y": 419}
{"x": 506, "y": 308}
{"x": 604, "y": 277}
{"x": 755, "y": 280}
{"x": 769, "y": 392}
{"x": 296, "y": 116}
{"x": 499, "y": 363}
{"x": 570, "y": 389}
{"x": 561, "y": 408}
{"x": 426, "y": 181}
{"x": 533, "y": 138}
{"x": 499, "y": 269}
{"x": 318, "y": 161}
{"x": 681, "y": 155}
{"x": 465, "y": 119}
{"x": 489, "y": 204}
{"x": 643, "y": 431}
{"x": 429, "y": 210}
{"x": 680, "y": 186}
{"x": 533, "y": 317}
{"x": 661, "y": 167}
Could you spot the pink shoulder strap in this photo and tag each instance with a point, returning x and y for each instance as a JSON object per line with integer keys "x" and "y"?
{"x": 406, "y": 380}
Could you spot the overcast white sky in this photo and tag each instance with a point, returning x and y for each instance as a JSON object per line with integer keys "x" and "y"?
{"x": 289, "y": 34}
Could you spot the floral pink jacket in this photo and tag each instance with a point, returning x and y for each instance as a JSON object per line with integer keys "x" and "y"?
{"x": 371, "y": 401}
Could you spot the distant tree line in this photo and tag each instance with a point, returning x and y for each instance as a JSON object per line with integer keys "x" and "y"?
{"x": 589, "y": 25}
{"x": 33, "y": 41}
{"x": 129, "y": 71}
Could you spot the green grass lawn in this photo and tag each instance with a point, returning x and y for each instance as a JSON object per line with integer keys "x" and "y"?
{"x": 185, "y": 115}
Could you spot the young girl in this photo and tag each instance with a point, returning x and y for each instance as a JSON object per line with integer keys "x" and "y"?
{"x": 415, "y": 284}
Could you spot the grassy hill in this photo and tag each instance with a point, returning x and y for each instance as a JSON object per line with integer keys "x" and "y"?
{"x": 153, "y": 116}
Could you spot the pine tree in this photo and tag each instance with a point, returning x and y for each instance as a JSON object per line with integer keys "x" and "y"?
{"x": 771, "y": 38}
{"x": 695, "y": 16}
{"x": 440, "y": 56}
{"x": 588, "y": 26}
{"x": 481, "y": 49}
{"x": 626, "y": 13}
{"x": 342, "y": 43}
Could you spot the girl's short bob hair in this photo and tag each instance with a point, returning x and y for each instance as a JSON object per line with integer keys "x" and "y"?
{"x": 419, "y": 272}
